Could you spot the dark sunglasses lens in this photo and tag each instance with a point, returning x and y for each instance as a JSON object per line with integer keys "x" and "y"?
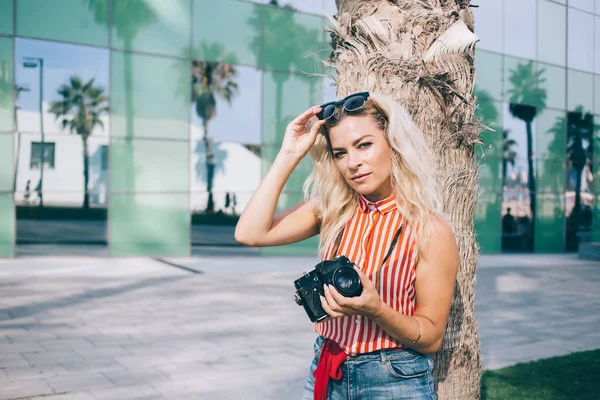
{"x": 354, "y": 103}
{"x": 326, "y": 112}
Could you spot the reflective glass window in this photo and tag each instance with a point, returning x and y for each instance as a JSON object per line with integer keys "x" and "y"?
{"x": 6, "y": 17}
{"x": 6, "y": 162}
{"x": 520, "y": 28}
{"x": 585, "y": 5}
{"x": 84, "y": 22}
{"x": 140, "y": 165}
{"x": 293, "y": 41}
{"x": 523, "y": 82}
{"x": 236, "y": 113}
{"x": 488, "y": 68}
{"x": 285, "y": 96}
{"x": 489, "y": 25}
{"x": 149, "y": 224}
{"x": 143, "y": 105}
{"x": 597, "y": 41}
{"x": 580, "y": 90}
{"x": 488, "y": 222}
{"x": 552, "y": 85}
{"x": 551, "y": 139}
{"x": 550, "y": 223}
{"x": 7, "y": 225}
{"x": 552, "y": 32}
{"x": 6, "y": 84}
{"x": 237, "y": 41}
{"x": 580, "y": 48}
{"x": 152, "y": 26}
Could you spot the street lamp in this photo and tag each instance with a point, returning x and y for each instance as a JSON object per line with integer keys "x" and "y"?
{"x": 34, "y": 62}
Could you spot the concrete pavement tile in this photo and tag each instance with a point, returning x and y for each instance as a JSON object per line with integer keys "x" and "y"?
{"x": 136, "y": 392}
{"x": 113, "y": 340}
{"x": 13, "y": 360}
{"x": 79, "y": 382}
{"x": 66, "y": 343}
{"x": 135, "y": 376}
{"x": 141, "y": 361}
{"x": 66, "y": 396}
{"x": 54, "y": 356}
{"x": 96, "y": 364}
{"x": 151, "y": 348}
{"x": 179, "y": 388}
{"x": 38, "y": 372}
{"x": 187, "y": 370}
{"x": 29, "y": 388}
{"x": 15, "y": 348}
{"x": 4, "y": 339}
{"x": 31, "y": 337}
{"x": 104, "y": 351}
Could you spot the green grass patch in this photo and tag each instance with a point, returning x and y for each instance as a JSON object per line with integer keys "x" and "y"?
{"x": 576, "y": 376}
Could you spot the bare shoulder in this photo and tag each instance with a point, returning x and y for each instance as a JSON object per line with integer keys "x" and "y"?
{"x": 442, "y": 241}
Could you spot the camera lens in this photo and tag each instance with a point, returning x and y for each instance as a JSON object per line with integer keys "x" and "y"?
{"x": 347, "y": 282}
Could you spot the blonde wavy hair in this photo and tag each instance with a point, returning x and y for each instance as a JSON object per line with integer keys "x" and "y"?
{"x": 413, "y": 181}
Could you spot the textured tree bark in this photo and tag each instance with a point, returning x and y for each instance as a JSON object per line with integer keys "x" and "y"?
{"x": 421, "y": 53}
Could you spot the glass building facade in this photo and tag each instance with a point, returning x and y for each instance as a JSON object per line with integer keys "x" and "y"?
{"x": 142, "y": 127}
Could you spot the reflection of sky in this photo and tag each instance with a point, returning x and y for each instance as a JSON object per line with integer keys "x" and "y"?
{"x": 60, "y": 62}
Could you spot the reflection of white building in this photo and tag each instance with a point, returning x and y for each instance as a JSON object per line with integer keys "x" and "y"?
{"x": 238, "y": 168}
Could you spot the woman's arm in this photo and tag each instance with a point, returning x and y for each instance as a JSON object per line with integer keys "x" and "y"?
{"x": 258, "y": 226}
{"x": 436, "y": 278}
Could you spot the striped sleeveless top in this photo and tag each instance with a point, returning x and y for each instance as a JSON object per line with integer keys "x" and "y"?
{"x": 365, "y": 241}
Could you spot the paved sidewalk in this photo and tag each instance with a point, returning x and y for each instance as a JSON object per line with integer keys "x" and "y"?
{"x": 137, "y": 328}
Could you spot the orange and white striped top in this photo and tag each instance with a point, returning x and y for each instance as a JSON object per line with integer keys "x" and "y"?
{"x": 366, "y": 241}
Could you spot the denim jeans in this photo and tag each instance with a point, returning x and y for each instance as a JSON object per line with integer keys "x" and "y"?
{"x": 383, "y": 374}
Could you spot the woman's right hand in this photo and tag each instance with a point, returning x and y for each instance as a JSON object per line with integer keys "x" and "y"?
{"x": 298, "y": 140}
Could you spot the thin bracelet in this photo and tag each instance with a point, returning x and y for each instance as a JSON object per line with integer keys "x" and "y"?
{"x": 419, "y": 338}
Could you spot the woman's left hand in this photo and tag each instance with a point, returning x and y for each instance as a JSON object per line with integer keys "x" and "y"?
{"x": 368, "y": 303}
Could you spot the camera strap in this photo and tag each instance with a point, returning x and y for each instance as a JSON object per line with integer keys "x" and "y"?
{"x": 389, "y": 253}
{"x": 338, "y": 242}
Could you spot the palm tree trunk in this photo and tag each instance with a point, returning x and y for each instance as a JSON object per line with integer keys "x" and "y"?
{"x": 504, "y": 170}
{"x": 86, "y": 172}
{"x": 210, "y": 168}
{"x": 393, "y": 48}
{"x": 531, "y": 184}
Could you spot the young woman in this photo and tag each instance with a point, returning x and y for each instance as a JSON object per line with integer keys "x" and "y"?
{"x": 372, "y": 197}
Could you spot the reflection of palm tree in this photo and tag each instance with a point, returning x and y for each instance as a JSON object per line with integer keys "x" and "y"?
{"x": 211, "y": 79}
{"x": 527, "y": 91}
{"x": 80, "y": 109}
{"x": 508, "y": 154}
{"x": 127, "y": 18}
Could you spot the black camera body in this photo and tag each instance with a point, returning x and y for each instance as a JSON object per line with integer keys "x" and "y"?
{"x": 339, "y": 273}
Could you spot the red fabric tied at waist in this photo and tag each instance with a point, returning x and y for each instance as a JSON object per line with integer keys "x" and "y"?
{"x": 330, "y": 361}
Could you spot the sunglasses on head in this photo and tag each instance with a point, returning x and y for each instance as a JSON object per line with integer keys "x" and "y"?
{"x": 352, "y": 102}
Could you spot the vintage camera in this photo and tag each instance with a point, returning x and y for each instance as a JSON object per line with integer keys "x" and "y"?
{"x": 339, "y": 273}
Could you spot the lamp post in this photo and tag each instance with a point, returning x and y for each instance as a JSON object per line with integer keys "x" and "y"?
{"x": 34, "y": 62}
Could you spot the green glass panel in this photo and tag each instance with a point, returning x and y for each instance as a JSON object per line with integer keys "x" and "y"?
{"x": 149, "y": 96}
{"x": 6, "y": 17}
{"x": 6, "y": 84}
{"x": 6, "y": 162}
{"x": 149, "y": 165}
{"x": 551, "y": 131}
{"x": 149, "y": 225}
{"x": 237, "y": 41}
{"x": 490, "y": 175}
{"x": 298, "y": 176}
{"x": 308, "y": 247}
{"x": 550, "y": 176}
{"x": 488, "y": 67}
{"x": 554, "y": 84}
{"x": 161, "y": 27}
{"x": 489, "y": 113}
{"x": 285, "y": 96}
{"x": 552, "y": 32}
{"x": 76, "y": 21}
{"x": 596, "y": 219}
{"x": 597, "y": 94}
{"x": 7, "y": 225}
{"x": 580, "y": 91}
{"x": 549, "y": 223}
{"x": 521, "y": 83}
{"x": 293, "y": 41}
{"x": 488, "y": 223}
